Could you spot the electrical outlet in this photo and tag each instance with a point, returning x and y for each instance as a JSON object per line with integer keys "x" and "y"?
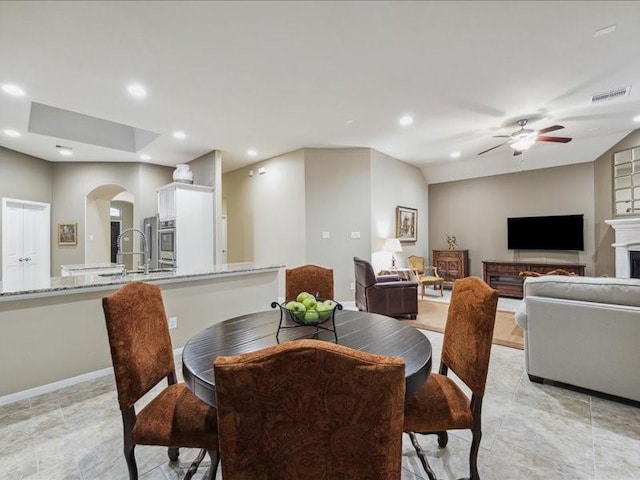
{"x": 326, "y": 234}
{"x": 352, "y": 286}
{"x": 173, "y": 322}
{"x": 355, "y": 234}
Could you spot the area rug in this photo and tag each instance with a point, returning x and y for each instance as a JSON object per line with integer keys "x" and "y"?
{"x": 433, "y": 316}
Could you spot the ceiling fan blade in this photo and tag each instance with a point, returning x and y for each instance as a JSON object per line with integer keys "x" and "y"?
{"x": 553, "y": 139}
{"x": 492, "y": 148}
{"x": 550, "y": 129}
{"x": 517, "y": 152}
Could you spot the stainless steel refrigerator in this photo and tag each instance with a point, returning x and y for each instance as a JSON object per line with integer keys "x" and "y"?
{"x": 150, "y": 229}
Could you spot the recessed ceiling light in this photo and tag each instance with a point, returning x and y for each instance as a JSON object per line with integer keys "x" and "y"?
{"x": 350, "y": 122}
{"x": 180, "y": 135}
{"x": 455, "y": 154}
{"x": 137, "y": 90}
{"x": 144, "y": 156}
{"x": 14, "y": 90}
{"x": 11, "y": 133}
{"x": 636, "y": 118}
{"x": 252, "y": 153}
{"x": 406, "y": 120}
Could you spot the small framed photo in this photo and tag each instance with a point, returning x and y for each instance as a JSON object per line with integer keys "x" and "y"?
{"x": 67, "y": 234}
{"x": 406, "y": 224}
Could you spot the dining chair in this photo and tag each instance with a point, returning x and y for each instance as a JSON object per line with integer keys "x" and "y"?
{"x": 142, "y": 357}
{"x": 310, "y": 409}
{"x": 440, "y": 404}
{"x": 313, "y": 279}
{"x": 426, "y": 275}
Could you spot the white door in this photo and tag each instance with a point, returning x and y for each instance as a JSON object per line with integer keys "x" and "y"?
{"x": 25, "y": 242}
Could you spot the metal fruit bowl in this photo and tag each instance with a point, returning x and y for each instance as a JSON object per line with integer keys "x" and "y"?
{"x": 305, "y": 318}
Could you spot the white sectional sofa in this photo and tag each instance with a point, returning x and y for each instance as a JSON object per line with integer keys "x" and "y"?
{"x": 583, "y": 331}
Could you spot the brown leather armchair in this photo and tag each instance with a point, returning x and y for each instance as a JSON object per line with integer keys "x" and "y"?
{"x": 384, "y": 294}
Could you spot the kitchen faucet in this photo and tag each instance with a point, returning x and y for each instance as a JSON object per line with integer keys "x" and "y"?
{"x": 145, "y": 254}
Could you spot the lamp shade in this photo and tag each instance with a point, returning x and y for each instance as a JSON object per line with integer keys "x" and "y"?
{"x": 392, "y": 245}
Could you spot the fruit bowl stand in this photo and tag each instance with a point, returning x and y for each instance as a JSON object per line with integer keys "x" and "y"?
{"x": 287, "y": 315}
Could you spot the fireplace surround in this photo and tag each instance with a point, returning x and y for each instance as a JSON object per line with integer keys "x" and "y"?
{"x": 627, "y": 244}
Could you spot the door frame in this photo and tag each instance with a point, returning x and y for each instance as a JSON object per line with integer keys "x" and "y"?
{"x": 46, "y": 242}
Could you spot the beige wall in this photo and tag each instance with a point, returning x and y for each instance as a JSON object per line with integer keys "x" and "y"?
{"x": 476, "y": 212}
{"x": 265, "y": 213}
{"x": 396, "y": 183}
{"x": 279, "y": 217}
{"x": 604, "y": 234}
{"x": 338, "y": 201}
{"x": 25, "y": 178}
{"x": 73, "y": 181}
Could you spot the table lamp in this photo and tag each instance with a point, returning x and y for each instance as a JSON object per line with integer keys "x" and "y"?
{"x": 392, "y": 245}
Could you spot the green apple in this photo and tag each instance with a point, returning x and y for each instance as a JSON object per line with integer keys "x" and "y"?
{"x": 330, "y": 303}
{"x": 303, "y": 295}
{"x": 295, "y": 307}
{"x": 311, "y": 316}
{"x": 324, "y": 310}
{"x": 310, "y": 303}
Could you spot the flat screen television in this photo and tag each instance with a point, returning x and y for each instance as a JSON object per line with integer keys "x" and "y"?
{"x": 556, "y": 232}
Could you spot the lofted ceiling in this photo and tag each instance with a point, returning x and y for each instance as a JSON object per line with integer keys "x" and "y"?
{"x": 278, "y": 76}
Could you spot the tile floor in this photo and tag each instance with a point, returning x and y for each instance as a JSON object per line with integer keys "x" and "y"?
{"x": 531, "y": 432}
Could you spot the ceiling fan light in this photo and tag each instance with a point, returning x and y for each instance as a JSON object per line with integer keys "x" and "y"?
{"x": 523, "y": 143}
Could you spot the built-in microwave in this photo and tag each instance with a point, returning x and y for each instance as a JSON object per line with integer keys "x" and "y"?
{"x": 167, "y": 243}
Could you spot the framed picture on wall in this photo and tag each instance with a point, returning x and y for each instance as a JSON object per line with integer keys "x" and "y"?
{"x": 406, "y": 224}
{"x": 67, "y": 234}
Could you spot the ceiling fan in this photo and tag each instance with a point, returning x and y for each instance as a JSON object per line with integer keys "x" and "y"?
{"x": 522, "y": 139}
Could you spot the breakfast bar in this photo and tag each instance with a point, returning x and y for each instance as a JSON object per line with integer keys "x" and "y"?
{"x": 53, "y": 332}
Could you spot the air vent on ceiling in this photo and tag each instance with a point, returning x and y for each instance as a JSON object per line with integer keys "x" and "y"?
{"x": 611, "y": 95}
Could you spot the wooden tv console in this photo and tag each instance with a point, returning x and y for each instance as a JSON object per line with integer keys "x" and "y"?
{"x": 505, "y": 276}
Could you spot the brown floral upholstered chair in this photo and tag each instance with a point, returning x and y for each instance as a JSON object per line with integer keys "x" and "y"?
{"x": 142, "y": 356}
{"x": 310, "y": 409}
{"x": 440, "y": 404}
{"x": 313, "y": 279}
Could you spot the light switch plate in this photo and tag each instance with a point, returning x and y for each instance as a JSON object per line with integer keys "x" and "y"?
{"x": 173, "y": 322}
{"x": 355, "y": 234}
{"x": 326, "y": 234}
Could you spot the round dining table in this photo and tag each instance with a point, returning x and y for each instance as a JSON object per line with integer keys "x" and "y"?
{"x": 368, "y": 332}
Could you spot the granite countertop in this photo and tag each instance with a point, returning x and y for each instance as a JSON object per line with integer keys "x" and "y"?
{"x": 77, "y": 284}
{"x": 90, "y": 266}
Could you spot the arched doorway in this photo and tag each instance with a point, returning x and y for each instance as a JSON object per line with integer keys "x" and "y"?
{"x": 107, "y": 207}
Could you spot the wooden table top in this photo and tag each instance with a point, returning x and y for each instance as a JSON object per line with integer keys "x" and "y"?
{"x": 368, "y": 332}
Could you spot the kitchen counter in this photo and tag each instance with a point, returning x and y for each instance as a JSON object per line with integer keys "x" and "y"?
{"x": 95, "y": 282}
{"x": 54, "y": 335}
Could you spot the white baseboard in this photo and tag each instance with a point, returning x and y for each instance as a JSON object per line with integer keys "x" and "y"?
{"x": 67, "y": 382}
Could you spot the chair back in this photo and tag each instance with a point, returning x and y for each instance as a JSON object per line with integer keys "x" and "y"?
{"x": 364, "y": 273}
{"x": 310, "y": 409}
{"x": 466, "y": 347}
{"x": 139, "y": 339}
{"x": 316, "y": 280}
{"x": 416, "y": 263}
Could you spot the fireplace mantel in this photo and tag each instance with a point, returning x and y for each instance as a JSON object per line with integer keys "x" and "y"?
{"x": 627, "y": 238}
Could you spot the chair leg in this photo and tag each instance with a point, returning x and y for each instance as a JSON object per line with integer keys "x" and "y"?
{"x": 194, "y": 465}
{"x": 130, "y": 457}
{"x": 441, "y": 292}
{"x": 422, "y": 456}
{"x": 213, "y": 469}
{"x": 173, "y": 453}
{"x": 443, "y": 439}
{"x": 473, "y": 455}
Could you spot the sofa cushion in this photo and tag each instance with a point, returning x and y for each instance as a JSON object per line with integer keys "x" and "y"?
{"x": 617, "y": 291}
